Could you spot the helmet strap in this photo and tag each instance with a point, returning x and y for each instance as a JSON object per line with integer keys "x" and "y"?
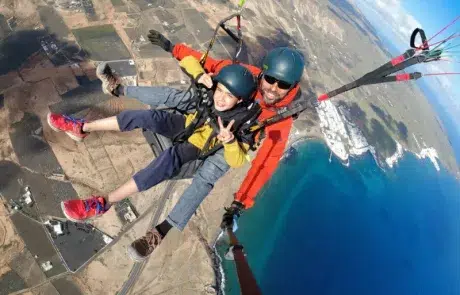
{"x": 293, "y": 86}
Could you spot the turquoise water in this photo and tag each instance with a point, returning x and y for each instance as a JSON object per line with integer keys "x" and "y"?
{"x": 322, "y": 228}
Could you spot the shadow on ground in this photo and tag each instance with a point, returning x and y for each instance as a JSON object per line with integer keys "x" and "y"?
{"x": 17, "y": 47}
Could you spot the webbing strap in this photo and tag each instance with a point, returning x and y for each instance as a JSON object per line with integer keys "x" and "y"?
{"x": 424, "y": 45}
{"x": 380, "y": 75}
{"x": 237, "y": 38}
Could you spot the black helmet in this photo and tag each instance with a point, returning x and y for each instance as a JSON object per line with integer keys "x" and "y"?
{"x": 238, "y": 80}
{"x": 285, "y": 64}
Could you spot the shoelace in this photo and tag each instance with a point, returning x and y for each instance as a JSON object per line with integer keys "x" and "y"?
{"x": 153, "y": 239}
{"x": 94, "y": 203}
{"x": 73, "y": 120}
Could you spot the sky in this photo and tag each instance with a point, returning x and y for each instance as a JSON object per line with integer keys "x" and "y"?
{"x": 396, "y": 19}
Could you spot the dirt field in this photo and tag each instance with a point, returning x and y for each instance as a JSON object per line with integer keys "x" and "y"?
{"x": 102, "y": 43}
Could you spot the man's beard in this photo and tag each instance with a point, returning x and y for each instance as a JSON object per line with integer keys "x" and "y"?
{"x": 271, "y": 101}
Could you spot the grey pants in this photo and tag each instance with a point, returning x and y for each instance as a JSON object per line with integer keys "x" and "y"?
{"x": 213, "y": 167}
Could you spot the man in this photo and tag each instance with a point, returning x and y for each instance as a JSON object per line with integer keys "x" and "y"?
{"x": 278, "y": 86}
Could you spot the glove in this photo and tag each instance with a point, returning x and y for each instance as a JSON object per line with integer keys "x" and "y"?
{"x": 156, "y": 38}
{"x": 231, "y": 213}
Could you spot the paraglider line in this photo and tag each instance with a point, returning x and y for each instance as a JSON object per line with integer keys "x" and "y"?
{"x": 453, "y": 36}
{"x": 441, "y": 74}
{"x": 448, "y": 60}
{"x": 443, "y": 29}
{"x": 450, "y": 46}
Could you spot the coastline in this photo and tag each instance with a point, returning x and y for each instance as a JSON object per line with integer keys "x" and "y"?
{"x": 387, "y": 163}
{"x": 300, "y": 140}
{"x": 345, "y": 139}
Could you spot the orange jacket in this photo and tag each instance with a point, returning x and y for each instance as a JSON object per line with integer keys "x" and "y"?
{"x": 276, "y": 135}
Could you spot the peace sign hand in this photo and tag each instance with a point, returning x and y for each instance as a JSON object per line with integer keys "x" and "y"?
{"x": 225, "y": 135}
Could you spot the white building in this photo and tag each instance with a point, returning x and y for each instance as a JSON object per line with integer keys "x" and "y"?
{"x": 431, "y": 154}
{"x": 342, "y": 136}
{"x": 47, "y": 265}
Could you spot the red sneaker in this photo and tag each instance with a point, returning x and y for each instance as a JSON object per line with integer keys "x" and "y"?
{"x": 71, "y": 126}
{"x": 79, "y": 210}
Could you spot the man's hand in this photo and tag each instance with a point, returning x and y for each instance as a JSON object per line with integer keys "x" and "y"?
{"x": 206, "y": 80}
{"x": 225, "y": 134}
{"x": 158, "y": 39}
{"x": 227, "y": 219}
{"x": 231, "y": 213}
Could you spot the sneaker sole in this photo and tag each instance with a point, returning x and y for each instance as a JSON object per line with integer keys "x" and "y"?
{"x": 73, "y": 219}
{"x": 67, "y": 216}
{"x": 132, "y": 253}
{"x": 76, "y": 138}
{"x": 100, "y": 70}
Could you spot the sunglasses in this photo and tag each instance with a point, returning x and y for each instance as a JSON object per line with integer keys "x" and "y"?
{"x": 281, "y": 84}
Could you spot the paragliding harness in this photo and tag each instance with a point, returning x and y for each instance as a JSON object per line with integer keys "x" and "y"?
{"x": 202, "y": 103}
{"x": 383, "y": 74}
{"x": 245, "y": 116}
{"x": 243, "y": 122}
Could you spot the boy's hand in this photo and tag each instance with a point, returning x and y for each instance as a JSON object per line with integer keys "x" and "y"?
{"x": 206, "y": 80}
{"x": 225, "y": 135}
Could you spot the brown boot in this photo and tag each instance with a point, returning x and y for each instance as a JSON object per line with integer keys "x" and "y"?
{"x": 141, "y": 248}
{"x": 109, "y": 81}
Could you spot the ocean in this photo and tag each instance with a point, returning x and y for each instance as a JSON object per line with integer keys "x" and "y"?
{"x": 322, "y": 228}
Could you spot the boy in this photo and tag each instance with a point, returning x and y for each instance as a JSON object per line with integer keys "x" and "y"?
{"x": 205, "y": 131}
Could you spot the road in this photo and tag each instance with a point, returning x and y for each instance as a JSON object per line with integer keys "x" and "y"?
{"x": 139, "y": 266}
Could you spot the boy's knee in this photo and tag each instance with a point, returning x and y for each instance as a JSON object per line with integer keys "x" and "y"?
{"x": 210, "y": 173}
